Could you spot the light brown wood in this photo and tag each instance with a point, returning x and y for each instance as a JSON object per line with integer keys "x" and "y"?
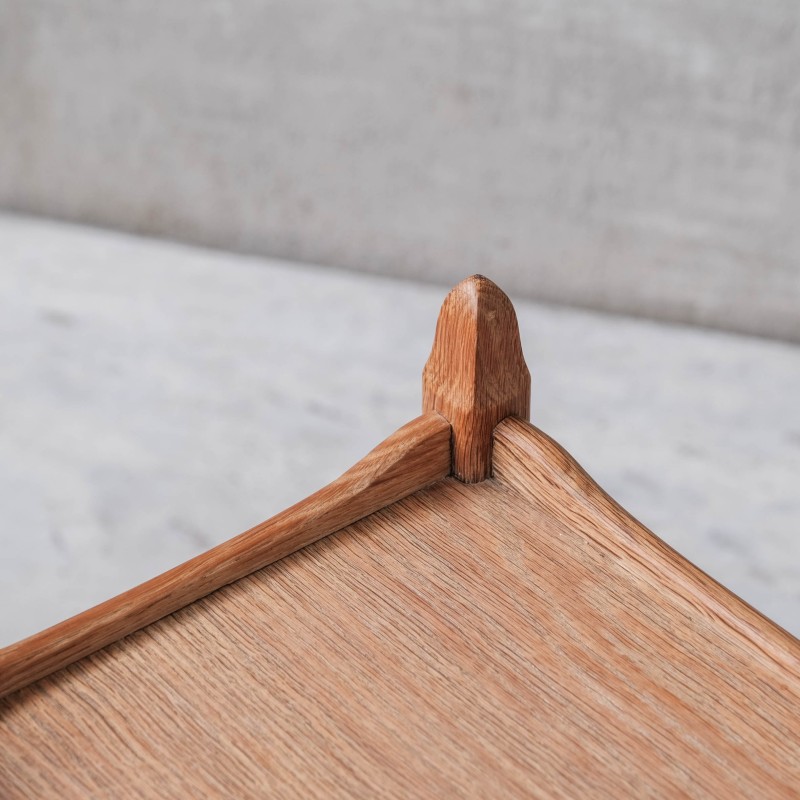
{"x": 416, "y": 455}
{"x": 518, "y": 637}
{"x": 548, "y": 477}
{"x": 476, "y": 374}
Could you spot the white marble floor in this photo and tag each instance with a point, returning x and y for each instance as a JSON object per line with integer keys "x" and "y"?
{"x": 156, "y": 399}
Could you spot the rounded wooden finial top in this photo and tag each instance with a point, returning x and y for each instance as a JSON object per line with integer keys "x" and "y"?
{"x": 476, "y": 375}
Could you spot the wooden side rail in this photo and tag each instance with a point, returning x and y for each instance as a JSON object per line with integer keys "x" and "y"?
{"x": 412, "y": 458}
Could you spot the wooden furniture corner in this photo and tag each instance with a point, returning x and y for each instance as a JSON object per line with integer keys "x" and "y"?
{"x": 463, "y": 613}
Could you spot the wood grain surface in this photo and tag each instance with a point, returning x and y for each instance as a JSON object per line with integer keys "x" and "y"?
{"x": 518, "y": 637}
{"x": 476, "y": 374}
{"x": 413, "y": 457}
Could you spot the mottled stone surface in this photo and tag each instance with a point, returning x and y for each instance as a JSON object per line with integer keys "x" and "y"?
{"x": 633, "y": 155}
{"x": 156, "y": 399}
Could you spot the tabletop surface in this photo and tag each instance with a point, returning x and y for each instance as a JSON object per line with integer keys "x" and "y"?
{"x": 522, "y": 636}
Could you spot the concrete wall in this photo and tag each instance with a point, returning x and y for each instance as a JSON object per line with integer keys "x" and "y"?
{"x": 633, "y": 155}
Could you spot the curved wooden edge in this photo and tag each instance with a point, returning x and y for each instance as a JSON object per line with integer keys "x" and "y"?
{"x": 412, "y": 458}
{"x": 550, "y": 478}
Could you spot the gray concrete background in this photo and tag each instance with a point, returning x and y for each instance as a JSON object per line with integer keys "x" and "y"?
{"x": 632, "y": 155}
{"x": 156, "y": 399}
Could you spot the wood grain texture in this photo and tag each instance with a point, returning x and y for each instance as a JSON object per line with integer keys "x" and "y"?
{"x": 476, "y": 374}
{"x": 518, "y": 637}
{"x": 549, "y": 477}
{"x": 413, "y": 457}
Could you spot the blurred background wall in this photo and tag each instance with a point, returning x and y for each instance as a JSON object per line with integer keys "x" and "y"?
{"x": 640, "y": 156}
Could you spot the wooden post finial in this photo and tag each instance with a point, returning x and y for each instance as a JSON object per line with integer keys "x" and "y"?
{"x": 476, "y": 375}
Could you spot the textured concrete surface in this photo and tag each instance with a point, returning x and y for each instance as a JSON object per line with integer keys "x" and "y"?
{"x": 633, "y": 155}
{"x": 156, "y": 399}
